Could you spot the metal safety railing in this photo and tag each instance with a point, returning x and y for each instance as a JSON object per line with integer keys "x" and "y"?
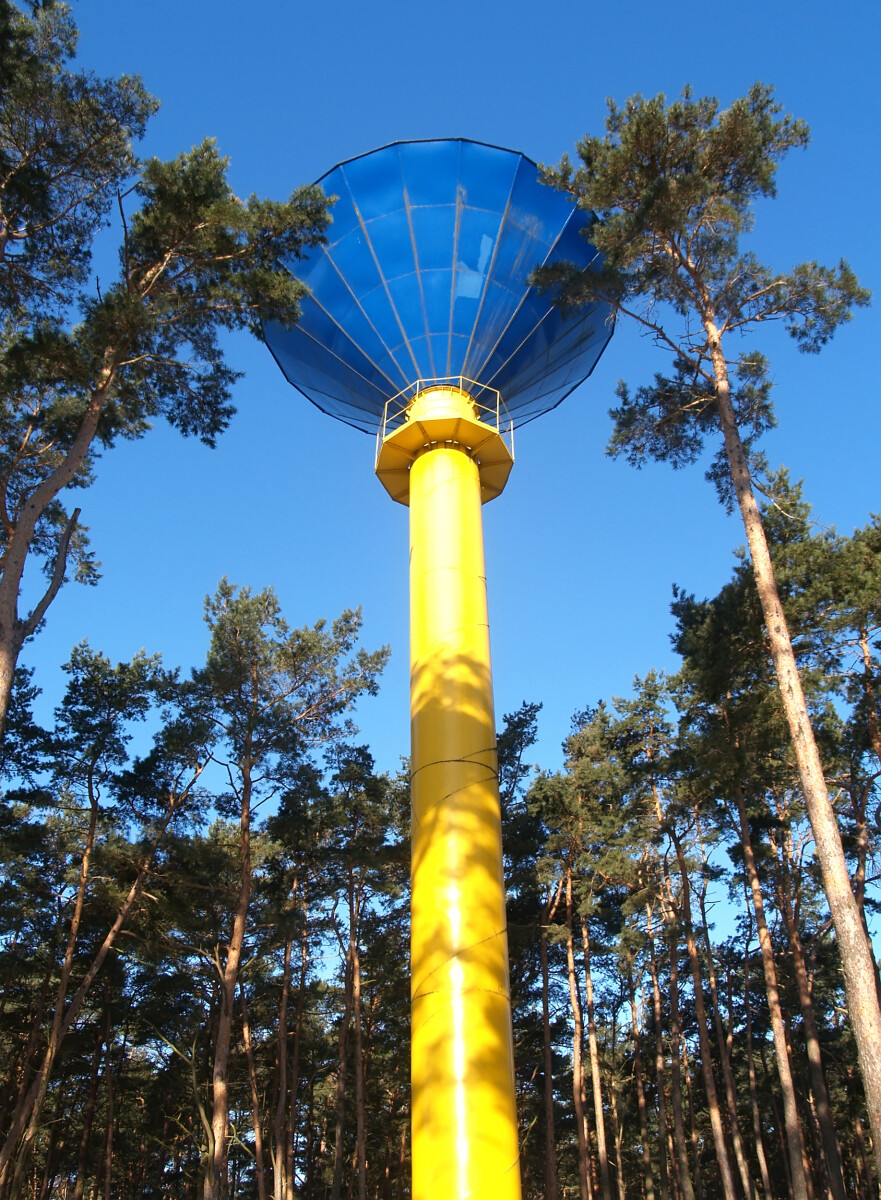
{"x": 487, "y": 403}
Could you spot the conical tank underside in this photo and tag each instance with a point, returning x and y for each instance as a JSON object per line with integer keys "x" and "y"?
{"x": 424, "y": 279}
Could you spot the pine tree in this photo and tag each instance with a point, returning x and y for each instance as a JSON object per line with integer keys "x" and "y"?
{"x": 673, "y": 187}
{"x": 87, "y": 869}
{"x": 83, "y": 365}
{"x": 268, "y": 691}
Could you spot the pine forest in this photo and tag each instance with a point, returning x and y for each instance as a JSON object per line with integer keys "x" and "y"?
{"x": 204, "y": 878}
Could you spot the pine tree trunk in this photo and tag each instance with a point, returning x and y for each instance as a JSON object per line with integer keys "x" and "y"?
{"x": 805, "y": 1156}
{"x": 111, "y": 1117}
{"x": 784, "y": 1069}
{"x": 822, "y": 1106}
{"x": 550, "y": 1163}
{"x": 387, "y": 1171}
{"x": 54, "y": 1149}
{"x": 28, "y": 1108}
{"x": 293, "y": 1106}
{"x": 853, "y": 945}
{"x": 577, "y": 1042}
{"x": 859, "y": 795}
{"x": 10, "y": 648}
{"x": 215, "y": 1187}
{"x": 360, "y": 1124}
{"x": 727, "y": 1074}
{"x": 692, "y": 1127}
{"x": 777, "y": 1122}
{"x": 342, "y": 1059}
{"x": 725, "y": 1173}
{"x": 27, "y": 1113}
{"x": 676, "y": 1064}
{"x": 871, "y": 698}
{"x": 88, "y": 1118}
{"x": 257, "y": 1123}
{"x": 13, "y": 630}
{"x": 753, "y": 1087}
{"x": 278, "y": 1153}
{"x": 649, "y": 1182}
{"x": 310, "y": 1139}
{"x": 402, "y": 1163}
{"x": 871, "y": 1189}
{"x": 602, "y": 1152}
{"x": 617, "y": 1133}
{"x": 659, "y": 1061}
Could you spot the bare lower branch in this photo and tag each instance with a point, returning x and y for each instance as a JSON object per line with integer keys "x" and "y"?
{"x": 29, "y": 625}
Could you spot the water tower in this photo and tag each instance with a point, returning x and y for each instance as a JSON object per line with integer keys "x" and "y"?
{"x": 421, "y": 328}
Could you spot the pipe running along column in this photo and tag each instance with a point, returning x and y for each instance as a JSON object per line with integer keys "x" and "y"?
{"x": 464, "y": 1121}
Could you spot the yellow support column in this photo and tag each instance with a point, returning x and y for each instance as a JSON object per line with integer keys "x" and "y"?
{"x": 464, "y": 1121}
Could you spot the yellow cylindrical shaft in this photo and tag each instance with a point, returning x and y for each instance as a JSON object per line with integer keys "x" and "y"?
{"x": 463, "y": 1100}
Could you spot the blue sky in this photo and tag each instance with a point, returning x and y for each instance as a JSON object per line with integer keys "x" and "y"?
{"x": 581, "y": 550}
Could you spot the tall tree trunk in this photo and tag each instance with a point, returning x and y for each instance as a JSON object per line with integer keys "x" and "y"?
{"x": 577, "y": 1043}
{"x": 859, "y": 792}
{"x": 14, "y": 631}
{"x": 88, "y": 1118}
{"x": 872, "y": 726}
{"x": 805, "y": 1153}
{"x": 360, "y": 1124}
{"x": 293, "y": 1107}
{"x": 215, "y": 1187}
{"x": 659, "y": 1060}
{"x": 822, "y": 1106}
{"x": 777, "y": 1122}
{"x": 857, "y": 961}
{"x": 676, "y": 1046}
{"x": 342, "y": 1058}
{"x": 725, "y": 1173}
{"x": 753, "y": 1088}
{"x": 617, "y": 1133}
{"x": 111, "y": 1118}
{"x": 692, "y": 1127}
{"x": 310, "y": 1139}
{"x": 13, "y": 1097}
{"x": 89, "y": 1113}
{"x": 278, "y": 1153}
{"x": 722, "y": 1042}
{"x": 871, "y": 1189}
{"x": 26, "y": 1116}
{"x": 602, "y": 1152}
{"x": 387, "y": 1170}
{"x": 781, "y": 1054}
{"x": 402, "y": 1162}
{"x": 25, "y": 1123}
{"x": 259, "y": 1161}
{"x": 550, "y": 1164}
{"x": 648, "y": 1177}
{"x": 54, "y": 1149}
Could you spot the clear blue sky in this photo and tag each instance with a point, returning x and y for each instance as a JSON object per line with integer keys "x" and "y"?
{"x": 581, "y": 551}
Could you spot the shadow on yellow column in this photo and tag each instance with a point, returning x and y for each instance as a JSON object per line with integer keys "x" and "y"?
{"x": 463, "y": 1095}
